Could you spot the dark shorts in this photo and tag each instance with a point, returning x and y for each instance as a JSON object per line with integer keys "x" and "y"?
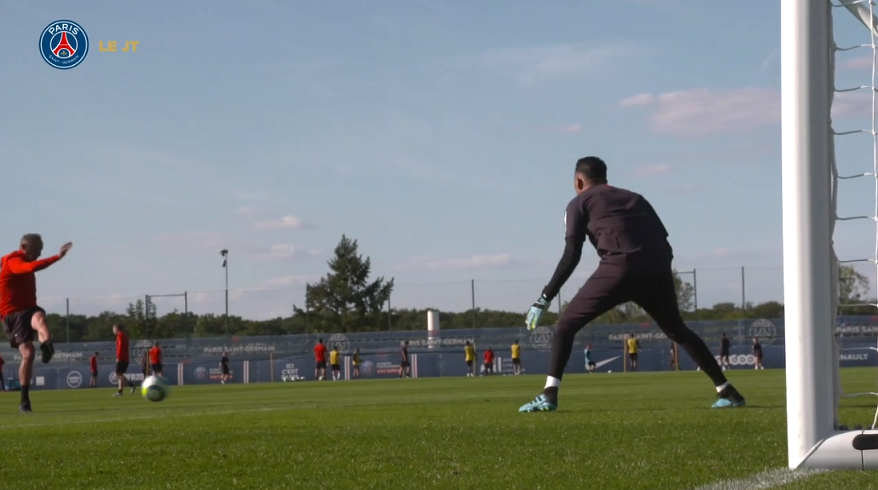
{"x": 516, "y": 362}
{"x": 489, "y": 365}
{"x": 647, "y": 280}
{"x": 94, "y": 374}
{"x": 724, "y": 353}
{"x": 336, "y": 367}
{"x": 758, "y": 356}
{"x": 156, "y": 368}
{"x": 469, "y": 363}
{"x": 17, "y": 326}
{"x": 632, "y": 356}
{"x": 321, "y": 364}
{"x": 121, "y": 367}
{"x": 404, "y": 364}
{"x": 591, "y": 363}
{"x": 225, "y": 369}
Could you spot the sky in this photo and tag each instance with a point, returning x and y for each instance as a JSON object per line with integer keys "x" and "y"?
{"x": 442, "y": 135}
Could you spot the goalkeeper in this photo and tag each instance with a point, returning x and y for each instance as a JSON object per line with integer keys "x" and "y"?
{"x": 635, "y": 265}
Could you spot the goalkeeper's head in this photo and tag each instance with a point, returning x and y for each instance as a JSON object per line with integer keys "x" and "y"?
{"x": 589, "y": 171}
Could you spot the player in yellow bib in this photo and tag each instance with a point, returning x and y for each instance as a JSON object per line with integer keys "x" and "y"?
{"x": 333, "y": 362}
{"x": 356, "y": 362}
{"x": 633, "y": 347}
{"x": 516, "y": 358}
{"x": 469, "y": 353}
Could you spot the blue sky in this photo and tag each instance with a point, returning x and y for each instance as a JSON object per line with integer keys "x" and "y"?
{"x": 440, "y": 134}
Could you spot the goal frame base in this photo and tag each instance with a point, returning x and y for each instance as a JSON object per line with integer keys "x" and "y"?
{"x": 844, "y": 450}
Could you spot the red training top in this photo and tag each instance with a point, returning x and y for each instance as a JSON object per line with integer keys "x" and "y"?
{"x": 320, "y": 353}
{"x": 122, "y": 346}
{"x": 489, "y": 356}
{"x": 155, "y": 355}
{"x": 18, "y": 284}
{"x": 94, "y": 363}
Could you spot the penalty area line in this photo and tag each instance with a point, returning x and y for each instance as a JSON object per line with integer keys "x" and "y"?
{"x": 761, "y": 481}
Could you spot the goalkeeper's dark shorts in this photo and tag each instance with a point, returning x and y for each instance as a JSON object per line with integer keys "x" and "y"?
{"x": 618, "y": 280}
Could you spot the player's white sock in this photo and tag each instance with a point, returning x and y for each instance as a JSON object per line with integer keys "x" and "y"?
{"x": 723, "y": 386}
{"x": 552, "y": 382}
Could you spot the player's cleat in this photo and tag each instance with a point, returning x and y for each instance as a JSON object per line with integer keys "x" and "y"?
{"x": 47, "y": 349}
{"x": 133, "y": 388}
{"x": 25, "y": 408}
{"x": 729, "y": 398}
{"x": 540, "y": 404}
{"x": 118, "y": 393}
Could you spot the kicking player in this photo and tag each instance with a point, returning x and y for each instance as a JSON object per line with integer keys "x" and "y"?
{"x": 757, "y": 353}
{"x": 155, "y": 360}
{"x": 319, "y": 360}
{"x": 589, "y": 362}
{"x": 724, "y": 346}
{"x": 122, "y": 359}
{"x": 469, "y": 354}
{"x": 333, "y": 362}
{"x": 516, "y": 358}
{"x": 635, "y": 265}
{"x": 19, "y": 312}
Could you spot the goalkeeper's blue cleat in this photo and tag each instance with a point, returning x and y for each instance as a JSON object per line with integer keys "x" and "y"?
{"x": 729, "y": 398}
{"x": 540, "y": 404}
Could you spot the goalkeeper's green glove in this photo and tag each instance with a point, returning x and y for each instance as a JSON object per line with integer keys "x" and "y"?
{"x": 535, "y": 312}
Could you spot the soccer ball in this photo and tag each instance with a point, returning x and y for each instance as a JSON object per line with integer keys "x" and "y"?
{"x": 609, "y": 371}
{"x": 155, "y": 389}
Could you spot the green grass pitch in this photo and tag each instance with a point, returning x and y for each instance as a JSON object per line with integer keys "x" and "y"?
{"x": 613, "y": 431}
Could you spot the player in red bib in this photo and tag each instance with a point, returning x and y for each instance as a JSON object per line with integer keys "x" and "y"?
{"x": 155, "y": 359}
{"x": 122, "y": 359}
{"x": 94, "y": 371}
{"x": 320, "y": 360}
{"x": 489, "y": 361}
{"x": 22, "y": 318}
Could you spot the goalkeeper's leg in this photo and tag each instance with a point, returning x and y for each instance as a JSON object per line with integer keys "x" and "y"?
{"x": 657, "y": 296}
{"x": 608, "y": 287}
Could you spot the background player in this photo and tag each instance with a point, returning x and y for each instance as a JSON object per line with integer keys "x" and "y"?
{"x": 405, "y": 367}
{"x": 469, "y": 354}
{"x": 757, "y": 353}
{"x": 333, "y": 362}
{"x": 635, "y": 265}
{"x": 225, "y": 369}
{"x": 94, "y": 370}
{"x": 724, "y": 346}
{"x": 589, "y": 362}
{"x": 516, "y": 358}
{"x": 22, "y": 318}
{"x": 155, "y": 360}
{"x": 489, "y": 361}
{"x": 122, "y": 359}
{"x": 633, "y": 347}
{"x": 356, "y": 362}
{"x": 319, "y": 360}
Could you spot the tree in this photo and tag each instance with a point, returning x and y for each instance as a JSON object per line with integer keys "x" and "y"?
{"x": 344, "y": 300}
{"x": 141, "y": 321}
{"x": 685, "y": 293}
{"x": 853, "y": 287}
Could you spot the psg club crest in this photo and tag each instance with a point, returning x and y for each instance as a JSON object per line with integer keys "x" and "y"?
{"x": 64, "y": 44}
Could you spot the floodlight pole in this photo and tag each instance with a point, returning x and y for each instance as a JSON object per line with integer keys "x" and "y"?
{"x": 225, "y": 253}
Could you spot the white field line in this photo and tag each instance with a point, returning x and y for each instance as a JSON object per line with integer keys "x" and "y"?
{"x": 765, "y": 480}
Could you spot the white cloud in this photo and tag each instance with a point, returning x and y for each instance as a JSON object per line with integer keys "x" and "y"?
{"x": 528, "y": 65}
{"x": 287, "y": 222}
{"x": 472, "y": 262}
{"x": 651, "y": 170}
{"x": 244, "y": 211}
{"x": 287, "y": 251}
{"x": 704, "y": 111}
{"x": 637, "y": 100}
{"x": 860, "y": 63}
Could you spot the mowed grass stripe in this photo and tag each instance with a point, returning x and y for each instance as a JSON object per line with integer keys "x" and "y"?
{"x": 614, "y": 431}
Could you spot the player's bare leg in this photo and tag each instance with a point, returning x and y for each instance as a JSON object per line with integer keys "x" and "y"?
{"x": 25, "y": 374}
{"x": 38, "y": 323}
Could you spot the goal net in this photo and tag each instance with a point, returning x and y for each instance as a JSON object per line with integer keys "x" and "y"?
{"x": 815, "y": 169}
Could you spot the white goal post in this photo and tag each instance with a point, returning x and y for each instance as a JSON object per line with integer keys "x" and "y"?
{"x": 810, "y": 266}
